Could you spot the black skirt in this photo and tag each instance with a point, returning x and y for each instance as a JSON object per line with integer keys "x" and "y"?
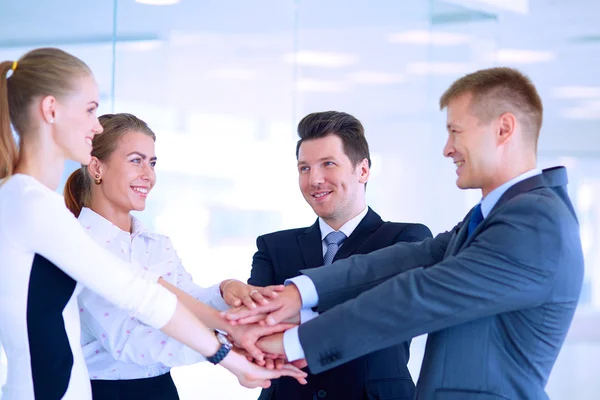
{"x": 158, "y": 388}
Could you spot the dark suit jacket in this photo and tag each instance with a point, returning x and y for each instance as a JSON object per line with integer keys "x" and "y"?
{"x": 497, "y": 304}
{"x": 380, "y": 375}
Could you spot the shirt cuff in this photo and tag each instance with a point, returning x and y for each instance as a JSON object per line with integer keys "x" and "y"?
{"x": 215, "y": 298}
{"x": 150, "y": 275}
{"x": 307, "y": 289}
{"x": 306, "y": 314}
{"x": 291, "y": 345}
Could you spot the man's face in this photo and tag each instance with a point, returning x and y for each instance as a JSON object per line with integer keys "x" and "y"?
{"x": 330, "y": 183}
{"x": 472, "y": 146}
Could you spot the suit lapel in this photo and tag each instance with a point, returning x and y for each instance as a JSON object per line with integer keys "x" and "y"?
{"x": 552, "y": 177}
{"x": 369, "y": 224}
{"x": 461, "y": 236}
{"x": 311, "y": 246}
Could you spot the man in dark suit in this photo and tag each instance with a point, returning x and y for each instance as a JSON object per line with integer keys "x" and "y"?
{"x": 496, "y": 293}
{"x": 333, "y": 166}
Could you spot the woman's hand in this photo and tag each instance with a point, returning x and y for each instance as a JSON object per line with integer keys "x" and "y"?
{"x": 251, "y": 375}
{"x": 237, "y": 293}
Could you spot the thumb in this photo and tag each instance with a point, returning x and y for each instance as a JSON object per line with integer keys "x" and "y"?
{"x": 277, "y": 316}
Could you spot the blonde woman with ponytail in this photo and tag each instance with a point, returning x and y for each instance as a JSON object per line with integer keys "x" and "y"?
{"x": 50, "y": 97}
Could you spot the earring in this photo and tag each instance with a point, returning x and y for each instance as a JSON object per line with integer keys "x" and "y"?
{"x": 97, "y": 179}
{"x": 51, "y": 121}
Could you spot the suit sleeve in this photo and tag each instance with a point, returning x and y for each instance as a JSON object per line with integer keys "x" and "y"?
{"x": 40, "y": 223}
{"x": 263, "y": 272}
{"x": 345, "y": 279}
{"x": 413, "y": 233}
{"x": 510, "y": 265}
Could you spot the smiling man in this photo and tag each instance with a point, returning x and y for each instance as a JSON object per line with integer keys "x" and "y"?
{"x": 333, "y": 170}
{"x": 496, "y": 293}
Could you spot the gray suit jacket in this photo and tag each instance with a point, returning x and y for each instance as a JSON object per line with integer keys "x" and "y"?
{"x": 497, "y": 306}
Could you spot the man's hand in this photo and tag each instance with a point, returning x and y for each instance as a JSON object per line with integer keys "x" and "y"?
{"x": 246, "y": 336}
{"x": 273, "y": 347}
{"x": 236, "y": 293}
{"x": 272, "y": 344}
{"x": 251, "y": 375}
{"x": 285, "y": 306}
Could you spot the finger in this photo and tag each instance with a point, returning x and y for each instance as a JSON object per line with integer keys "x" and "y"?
{"x": 279, "y": 363}
{"x": 300, "y": 363}
{"x": 290, "y": 370}
{"x": 269, "y": 330}
{"x": 231, "y": 299}
{"x": 265, "y": 384}
{"x": 242, "y": 312}
{"x": 254, "y": 351}
{"x": 278, "y": 316}
{"x": 252, "y": 319}
{"x": 258, "y": 297}
{"x": 276, "y": 288}
{"x": 269, "y": 363}
{"x": 251, "y": 384}
{"x": 247, "y": 300}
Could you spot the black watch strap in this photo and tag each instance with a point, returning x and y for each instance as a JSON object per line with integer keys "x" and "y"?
{"x": 223, "y": 350}
{"x": 220, "y": 355}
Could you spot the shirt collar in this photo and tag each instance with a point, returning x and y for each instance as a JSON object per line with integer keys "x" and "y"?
{"x": 488, "y": 203}
{"x": 100, "y": 228}
{"x": 347, "y": 228}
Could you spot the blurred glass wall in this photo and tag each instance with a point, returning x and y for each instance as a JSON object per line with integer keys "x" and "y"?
{"x": 224, "y": 84}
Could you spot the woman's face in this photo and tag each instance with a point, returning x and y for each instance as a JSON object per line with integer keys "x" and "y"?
{"x": 76, "y": 122}
{"x": 128, "y": 175}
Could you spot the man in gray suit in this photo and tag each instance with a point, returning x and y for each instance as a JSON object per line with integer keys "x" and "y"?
{"x": 496, "y": 293}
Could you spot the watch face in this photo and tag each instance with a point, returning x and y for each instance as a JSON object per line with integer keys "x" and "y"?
{"x": 223, "y": 339}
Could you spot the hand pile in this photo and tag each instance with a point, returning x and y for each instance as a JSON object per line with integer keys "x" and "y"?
{"x": 258, "y": 319}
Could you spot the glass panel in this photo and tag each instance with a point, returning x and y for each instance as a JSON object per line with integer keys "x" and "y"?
{"x": 224, "y": 85}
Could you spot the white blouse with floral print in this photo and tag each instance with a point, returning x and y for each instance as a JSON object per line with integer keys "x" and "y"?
{"x": 115, "y": 344}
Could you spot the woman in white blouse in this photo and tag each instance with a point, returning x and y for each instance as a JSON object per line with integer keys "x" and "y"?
{"x": 50, "y": 98}
{"x": 127, "y": 359}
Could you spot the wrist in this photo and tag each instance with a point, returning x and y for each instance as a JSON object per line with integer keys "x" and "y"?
{"x": 223, "y": 348}
{"x": 224, "y": 284}
{"x": 295, "y": 294}
{"x": 232, "y": 361}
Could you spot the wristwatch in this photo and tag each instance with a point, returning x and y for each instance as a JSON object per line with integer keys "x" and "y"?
{"x": 223, "y": 350}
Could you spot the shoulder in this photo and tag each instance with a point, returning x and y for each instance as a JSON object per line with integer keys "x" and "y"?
{"x": 539, "y": 225}
{"x": 541, "y": 207}
{"x": 22, "y": 189}
{"x": 407, "y": 231}
{"x": 283, "y": 236}
{"x": 24, "y": 199}
{"x": 158, "y": 240}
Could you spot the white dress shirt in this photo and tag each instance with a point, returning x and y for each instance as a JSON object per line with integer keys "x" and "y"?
{"x": 305, "y": 285}
{"x": 308, "y": 291}
{"x": 115, "y": 344}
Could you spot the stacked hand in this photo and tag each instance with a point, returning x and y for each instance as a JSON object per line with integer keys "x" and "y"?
{"x": 260, "y": 343}
{"x": 257, "y": 329}
{"x": 236, "y": 293}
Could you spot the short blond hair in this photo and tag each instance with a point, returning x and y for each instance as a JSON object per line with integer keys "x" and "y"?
{"x": 499, "y": 90}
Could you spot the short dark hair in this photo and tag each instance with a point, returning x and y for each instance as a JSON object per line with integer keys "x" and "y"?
{"x": 345, "y": 126}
